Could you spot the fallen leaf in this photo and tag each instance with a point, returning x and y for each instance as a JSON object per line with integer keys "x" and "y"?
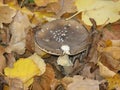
{"x": 113, "y": 82}
{"x": 2, "y": 82}
{"x": 109, "y": 35}
{"x": 95, "y": 10}
{"x": 1, "y": 1}
{"x": 14, "y": 84}
{"x": 5, "y": 35}
{"x": 6, "y": 15}
{"x": 107, "y": 62}
{"x": 30, "y": 45}
{"x": 39, "y": 51}
{"x": 18, "y": 31}
{"x": 44, "y": 82}
{"x": 105, "y": 71}
{"x": 84, "y": 5}
{"x": 2, "y": 59}
{"x": 81, "y": 83}
{"x": 10, "y": 59}
{"x": 26, "y": 68}
{"x": 113, "y": 51}
{"x": 44, "y": 2}
{"x": 67, "y": 6}
{"x": 111, "y": 31}
{"x": 115, "y": 43}
{"x": 41, "y": 17}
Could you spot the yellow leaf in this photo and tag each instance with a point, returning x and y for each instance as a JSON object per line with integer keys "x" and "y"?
{"x": 84, "y": 4}
{"x": 101, "y": 16}
{"x": 26, "y": 68}
{"x": 102, "y": 11}
{"x": 23, "y": 69}
{"x": 44, "y": 2}
{"x": 113, "y": 82}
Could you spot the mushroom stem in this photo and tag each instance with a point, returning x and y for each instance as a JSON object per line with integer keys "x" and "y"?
{"x": 64, "y": 60}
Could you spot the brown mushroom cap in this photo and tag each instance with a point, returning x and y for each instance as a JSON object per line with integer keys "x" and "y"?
{"x": 53, "y": 35}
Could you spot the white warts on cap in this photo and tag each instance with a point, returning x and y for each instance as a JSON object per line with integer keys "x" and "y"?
{"x": 65, "y": 49}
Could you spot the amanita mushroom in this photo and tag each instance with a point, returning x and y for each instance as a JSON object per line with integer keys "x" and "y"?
{"x": 63, "y": 37}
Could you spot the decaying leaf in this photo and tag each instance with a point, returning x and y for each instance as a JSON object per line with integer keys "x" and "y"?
{"x": 109, "y": 63}
{"x": 14, "y": 84}
{"x": 2, "y": 59}
{"x": 102, "y": 11}
{"x": 81, "y": 83}
{"x": 105, "y": 71}
{"x": 67, "y": 6}
{"x": 113, "y": 51}
{"x": 26, "y": 68}
{"x": 44, "y": 81}
{"x": 44, "y": 2}
{"x": 115, "y": 43}
{"x": 113, "y": 82}
{"x": 18, "y": 31}
{"x": 6, "y": 14}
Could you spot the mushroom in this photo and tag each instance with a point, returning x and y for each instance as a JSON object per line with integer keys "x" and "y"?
{"x": 63, "y": 37}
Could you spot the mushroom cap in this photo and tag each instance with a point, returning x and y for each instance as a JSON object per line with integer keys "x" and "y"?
{"x": 60, "y": 33}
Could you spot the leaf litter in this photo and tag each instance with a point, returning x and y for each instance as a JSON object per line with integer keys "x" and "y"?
{"x": 98, "y": 71}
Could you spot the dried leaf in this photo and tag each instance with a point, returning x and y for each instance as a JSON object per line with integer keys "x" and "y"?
{"x": 113, "y": 82}
{"x": 113, "y": 51}
{"x": 2, "y": 59}
{"x": 84, "y": 5}
{"x": 110, "y": 62}
{"x": 10, "y": 59}
{"x": 18, "y": 30}
{"x": 95, "y": 10}
{"x": 80, "y": 83}
{"x": 44, "y": 2}
{"x": 14, "y": 84}
{"x": 26, "y": 68}
{"x": 115, "y": 43}
{"x": 44, "y": 82}
{"x": 67, "y": 6}
{"x": 6, "y": 14}
{"x": 30, "y": 45}
{"x": 105, "y": 71}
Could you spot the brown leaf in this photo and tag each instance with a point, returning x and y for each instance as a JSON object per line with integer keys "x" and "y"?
{"x": 17, "y": 29}
{"x": 30, "y": 45}
{"x": 14, "y": 84}
{"x": 112, "y": 31}
{"x": 67, "y": 7}
{"x": 44, "y": 82}
{"x": 61, "y": 7}
{"x": 6, "y": 14}
{"x": 80, "y": 83}
{"x": 2, "y": 59}
{"x": 5, "y": 35}
{"x": 10, "y": 59}
{"x": 108, "y": 61}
